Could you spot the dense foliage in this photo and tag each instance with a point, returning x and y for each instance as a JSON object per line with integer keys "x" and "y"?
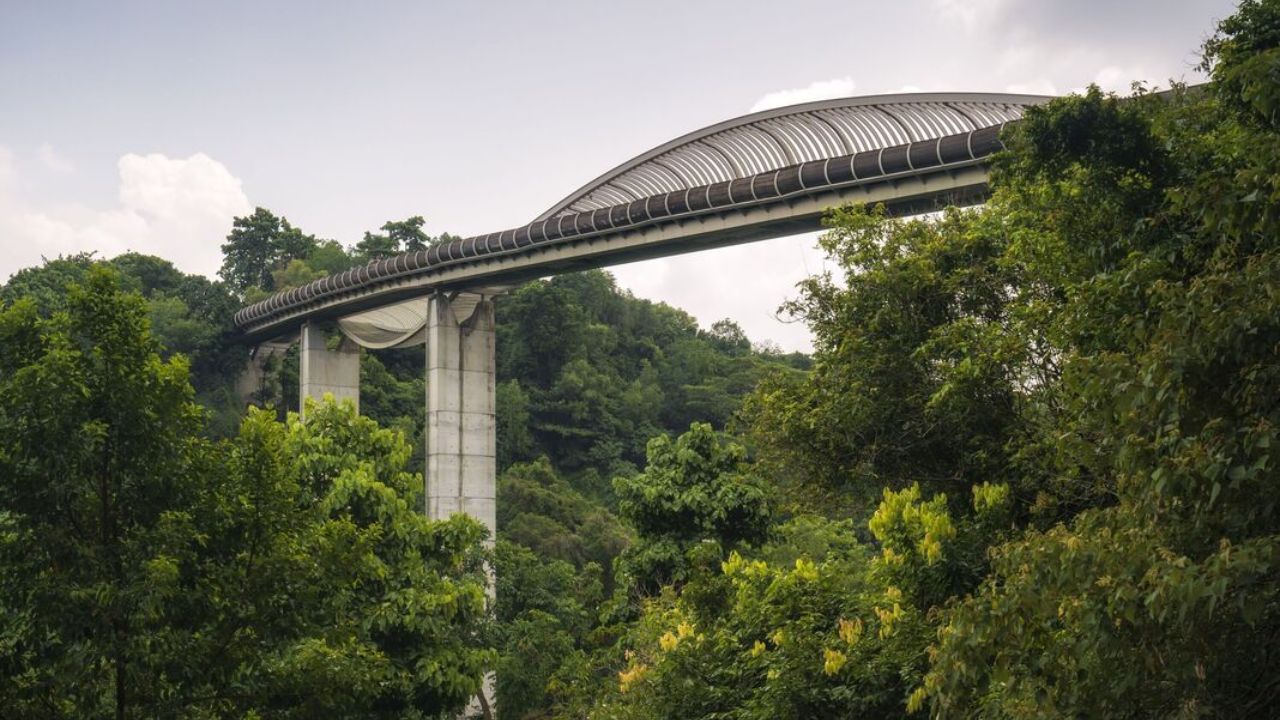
{"x": 588, "y": 374}
{"x": 188, "y": 315}
{"x": 1026, "y": 474}
{"x": 691, "y": 500}
{"x": 1054, "y": 415}
{"x": 147, "y": 571}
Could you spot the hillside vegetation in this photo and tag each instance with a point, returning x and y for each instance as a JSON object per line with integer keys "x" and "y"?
{"x": 1026, "y": 472}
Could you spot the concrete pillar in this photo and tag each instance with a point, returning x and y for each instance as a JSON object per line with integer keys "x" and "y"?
{"x": 461, "y": 450}
{"x": 461, "y": 445}
{"x": 252, "y": 385}
{"x": 321, "y": 370}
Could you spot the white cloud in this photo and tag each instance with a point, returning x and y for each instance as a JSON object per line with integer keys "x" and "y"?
{"x": 178, "y": 208}
{"x": 53, "y": 161}
{"x": 817, "y": 90}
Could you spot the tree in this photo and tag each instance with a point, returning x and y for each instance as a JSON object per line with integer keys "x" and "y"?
{"x": 542, "y": 618}
{"x": 1102, "y": 335}
{"x": 376, "y": 247}
{"x": 101, "y": 473}
{"x": 397, "y": 236}
{"x": 540, "y": 510}
{"x": 515, "y": 437}
{"x": 188, "y": 314}
{"x": 295, "y": 274}
{"x": 601, "y": 372}
{"x": 376, "y": 610}
{"x": 813, "y": 624}
{"x": 145, "y": 571}
{"x": 408, "y": 234}
{"x": 1166, "y": 600}
{"x": 329, "y": 258}
{"x": 257, "y": 246}
{"x": 693, "y": 489}
{"x": 729, "y": 337}
{"x": 915, "y": 365}
{"x": 46, "y": 285}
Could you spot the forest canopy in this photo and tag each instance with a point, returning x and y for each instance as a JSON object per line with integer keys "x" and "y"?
{"x": 1025, "y": 473}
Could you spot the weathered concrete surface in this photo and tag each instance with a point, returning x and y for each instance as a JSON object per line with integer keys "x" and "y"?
{"x": 254, "y": 382}
{"x": 461, "y": 423}
{"x": 321, "y": 370}
{"x": 461, "y": 448}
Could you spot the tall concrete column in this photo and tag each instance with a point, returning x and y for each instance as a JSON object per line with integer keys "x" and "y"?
{"x": 461, "y": 433}
{"x": 321, "y": 370}
{"x": 461, "y": 446}
{"x": 252, "y": 386}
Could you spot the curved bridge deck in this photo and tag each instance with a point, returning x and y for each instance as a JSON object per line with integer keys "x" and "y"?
{"x": 761, "y": 176}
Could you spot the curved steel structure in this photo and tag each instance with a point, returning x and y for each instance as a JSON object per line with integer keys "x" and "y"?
{"x": 763, "y": 175}
{"x": 772, "y": 139}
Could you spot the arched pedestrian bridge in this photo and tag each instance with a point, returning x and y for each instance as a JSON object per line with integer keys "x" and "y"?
{"x": 761, "y": 176}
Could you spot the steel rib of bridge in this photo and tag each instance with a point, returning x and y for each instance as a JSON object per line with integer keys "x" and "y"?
{"x": 772, "y": 139}
{"x": 915, "y": 175}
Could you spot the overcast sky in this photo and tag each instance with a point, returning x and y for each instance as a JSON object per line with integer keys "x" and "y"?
{"x": 147, "y": 126}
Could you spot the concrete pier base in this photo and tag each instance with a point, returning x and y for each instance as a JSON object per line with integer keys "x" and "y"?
{"x": 254, "y": 386}
{"x": 322, "y": 370}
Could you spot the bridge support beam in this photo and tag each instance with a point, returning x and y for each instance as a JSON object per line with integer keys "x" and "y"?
{"x": 461, "y": 445}
{"x": 322, "y": 370}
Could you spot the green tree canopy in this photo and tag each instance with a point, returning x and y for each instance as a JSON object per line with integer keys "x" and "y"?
{"x": 147, "y": 572}
{"x": 397, "y": 236}
{"x": 692, "y": 490}
{"x": 1065, "y": 401}
{"x": 258, "y": 245}
{"x": 1165, "y": 601}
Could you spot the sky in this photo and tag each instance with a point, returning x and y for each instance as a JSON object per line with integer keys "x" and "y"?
{"x": 148, "y": 126}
